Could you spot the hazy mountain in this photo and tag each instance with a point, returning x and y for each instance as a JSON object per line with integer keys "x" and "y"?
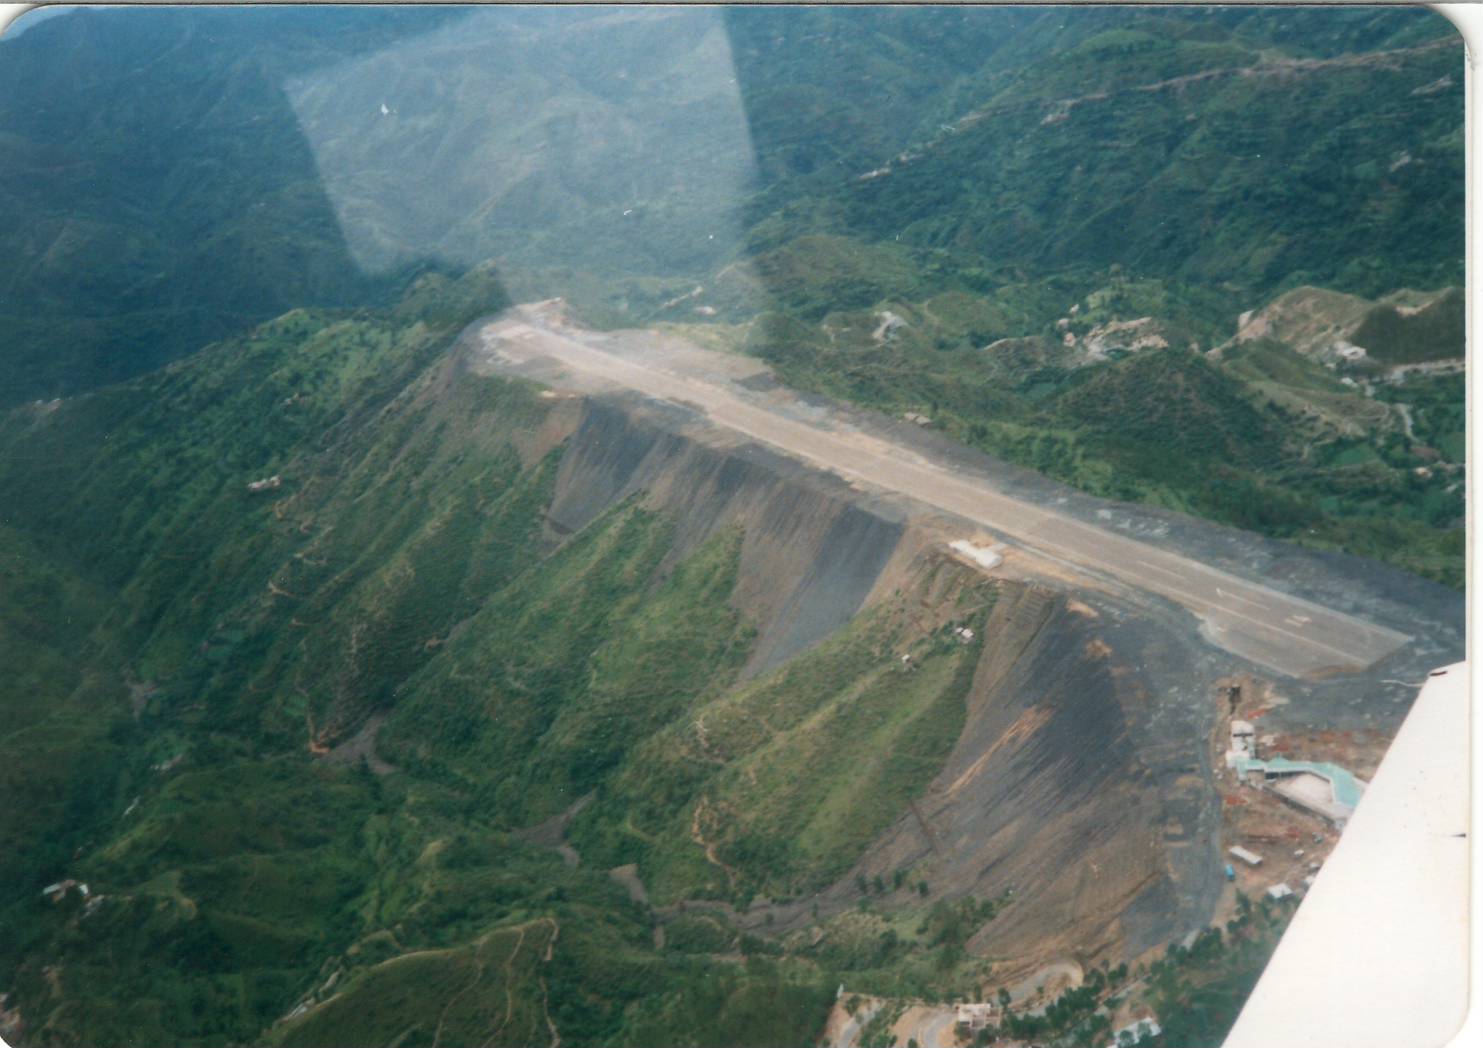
{"x": 159, "y": 192}
{"x": 230, "y": 164}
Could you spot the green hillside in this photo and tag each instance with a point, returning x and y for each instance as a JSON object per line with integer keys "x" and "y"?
{"x": 353, "y": 741}
{"x": 198, "y": 685}
{"x": 154, "y": 206}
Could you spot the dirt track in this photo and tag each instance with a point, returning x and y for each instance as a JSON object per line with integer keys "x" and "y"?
{"x": 1279, "y": 631}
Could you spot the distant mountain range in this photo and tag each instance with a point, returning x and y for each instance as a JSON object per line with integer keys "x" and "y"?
{"x": 178, "y": 176}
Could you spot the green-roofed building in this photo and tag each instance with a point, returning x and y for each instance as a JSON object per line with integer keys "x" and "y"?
{"x": 1321, "y": 787}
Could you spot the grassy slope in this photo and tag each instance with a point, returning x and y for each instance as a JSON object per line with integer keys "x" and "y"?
{"x": 1267, "y": 181}
{"x": 56, "y": 750}
{"x": 1434, "y": 332}
{"x": 245, "y": 874}
{"x": 564, "y": 671}
{"x": 789, "y": 777}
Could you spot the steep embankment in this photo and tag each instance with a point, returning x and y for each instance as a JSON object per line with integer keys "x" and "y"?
{"x": 1046, "y": 794}
{"x": 1043, "y": 799}
{"x": 332, "y": 540}
{"x": 809, "y": 556}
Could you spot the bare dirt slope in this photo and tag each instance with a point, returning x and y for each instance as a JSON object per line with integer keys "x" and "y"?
{"x": 1044, "y": 799}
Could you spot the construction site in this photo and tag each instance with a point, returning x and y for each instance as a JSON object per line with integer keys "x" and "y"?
{"x": 1286, "y": 797}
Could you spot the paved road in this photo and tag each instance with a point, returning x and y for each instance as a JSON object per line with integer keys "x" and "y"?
{"x": 940, "y": 1031}
{"x": 1028, "y": 987}
{"x": 1281, "y": 632}
{"x": 854, "y": 1024}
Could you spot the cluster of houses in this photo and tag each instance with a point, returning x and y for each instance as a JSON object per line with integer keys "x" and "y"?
{"x": 975, "y": 1017}
{"x": 55, "y": 893}
{"x": 980, "y": 1015}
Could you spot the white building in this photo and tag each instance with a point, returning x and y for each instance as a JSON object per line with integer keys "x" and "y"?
{"x": 988, "y": 557}
{"x": 1243, "y": 742}
{"x": 975, "y": 1016}
{"x": 1250, "y": 858}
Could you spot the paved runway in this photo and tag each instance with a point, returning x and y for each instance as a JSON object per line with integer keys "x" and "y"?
{"x": 1280, "y": 632}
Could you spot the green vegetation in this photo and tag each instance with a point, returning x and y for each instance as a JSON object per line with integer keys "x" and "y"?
{"x": 562, "y": 674}
{"x": 1116, "y": 161}
{"x": 903, "y": 950}
{"x": 1264, "y": 438}
{"x": 192, "y": 683}
{"x": 1432, "y": 332}
{"x": 300, "y": 673}
{"x": 158, "y": 205}
{"x": 1075, "y": 1014}
{"x": 1186, "y": 206}
{"x": 1198, "y": 991}
{"x": 58, "y": 747}
{"x": 776, "y": 787}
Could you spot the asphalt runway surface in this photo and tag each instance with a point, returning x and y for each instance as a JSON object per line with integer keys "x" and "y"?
{"x": 1275, "y": 630}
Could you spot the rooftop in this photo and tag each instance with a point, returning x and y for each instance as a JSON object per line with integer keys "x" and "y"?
{"x": 1347, "y": 789}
